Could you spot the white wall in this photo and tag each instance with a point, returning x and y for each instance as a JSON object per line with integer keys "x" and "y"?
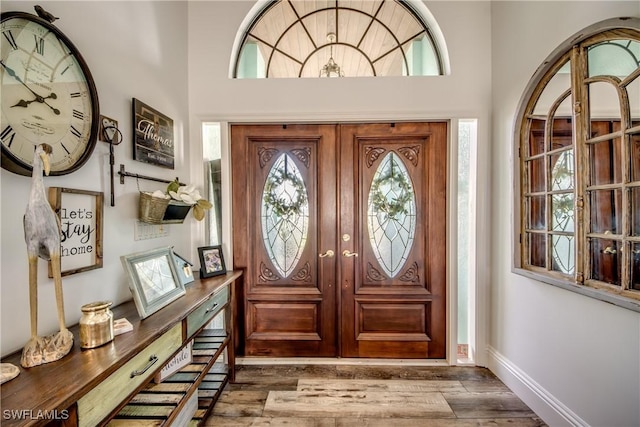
{"x": 134, "y": 49}
{"x": 465, "y": 93}
{"x": 563, "y": 352}
{"x": 212, "y": 29}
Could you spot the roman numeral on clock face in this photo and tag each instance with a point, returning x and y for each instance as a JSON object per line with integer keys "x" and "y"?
{"x": 75, "y": 131}
{"x": 9, "y": 36}
{"x": 7, "y": 136}
{"x": 39, "y": 44}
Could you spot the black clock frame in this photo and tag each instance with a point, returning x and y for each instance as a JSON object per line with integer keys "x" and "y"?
{"x": 10, "y": 162}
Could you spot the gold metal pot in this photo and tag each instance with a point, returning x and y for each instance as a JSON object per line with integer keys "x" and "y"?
{"x": 96, "y": 324}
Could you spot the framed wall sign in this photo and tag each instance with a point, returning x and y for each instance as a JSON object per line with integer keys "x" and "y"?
{"x": 81, "y": 221}
{"x": 153, "y": 136}
{"x": 211, "y": 261}
{"x": 153, "y": 279}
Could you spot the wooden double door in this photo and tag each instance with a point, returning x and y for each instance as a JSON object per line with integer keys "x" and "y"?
{"x": 341, "y": 230}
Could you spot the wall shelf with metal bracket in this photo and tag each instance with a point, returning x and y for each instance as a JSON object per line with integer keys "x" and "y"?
{"x": 124, "y": 174}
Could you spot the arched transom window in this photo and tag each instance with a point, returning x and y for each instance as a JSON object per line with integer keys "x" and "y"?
{"x": 337, "y": 38}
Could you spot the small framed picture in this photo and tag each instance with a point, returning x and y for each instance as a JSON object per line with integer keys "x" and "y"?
{"x": 211, "y": 261}
{"x": 153, "y": 279}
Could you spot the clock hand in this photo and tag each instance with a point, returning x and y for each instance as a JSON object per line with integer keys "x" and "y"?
{"x": 38, "y": 97}
{"x": 23, "y": 103}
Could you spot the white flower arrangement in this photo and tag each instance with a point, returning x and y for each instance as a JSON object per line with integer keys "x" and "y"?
{"x": 186, "y": 194}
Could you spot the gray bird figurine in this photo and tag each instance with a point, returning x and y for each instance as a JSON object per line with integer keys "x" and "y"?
{"x": 42, "y": 235}
{"x": 44, "y": 14}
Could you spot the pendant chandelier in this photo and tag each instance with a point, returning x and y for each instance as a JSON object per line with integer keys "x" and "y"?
{"x": 331, "y": 69}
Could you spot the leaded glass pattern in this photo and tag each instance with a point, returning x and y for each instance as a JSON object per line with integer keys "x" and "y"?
{"x": 391, "y": 214}
{"x": 285, "y": 215}
{"x": 562, "y": 172}
{"x": 564, "y": 253}
{"x": 562, "y": 212}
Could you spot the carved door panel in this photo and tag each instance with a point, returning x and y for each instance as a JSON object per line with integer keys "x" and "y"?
{"x": 305, "y": 194}
{"x": 393, "y": 245}
{"x": 284, "y": 204}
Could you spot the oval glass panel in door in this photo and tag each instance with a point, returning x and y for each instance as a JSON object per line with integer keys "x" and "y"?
{"x": 391, "y": 214}
{"x": 285, "y": 215}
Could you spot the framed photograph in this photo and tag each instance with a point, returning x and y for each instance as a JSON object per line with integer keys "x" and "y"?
{"x": 81, "y": 221}
{"x": 152, "y": 136}
{"x": 211, "y": 261}
{"x": 183, "y": 267}
{"x": 153, "y": 279}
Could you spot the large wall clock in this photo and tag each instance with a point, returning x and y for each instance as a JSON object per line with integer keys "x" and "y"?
{"x": 48, "y": 95}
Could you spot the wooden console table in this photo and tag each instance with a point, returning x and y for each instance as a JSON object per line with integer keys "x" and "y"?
{"x": 112, "y": 383}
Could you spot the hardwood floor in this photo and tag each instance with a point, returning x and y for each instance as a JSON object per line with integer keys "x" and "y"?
{"x": 368, "y": 396}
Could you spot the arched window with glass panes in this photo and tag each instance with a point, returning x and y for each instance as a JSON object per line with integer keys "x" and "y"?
{"x": 578, "y": 137}
{"x": 340, "y": 38}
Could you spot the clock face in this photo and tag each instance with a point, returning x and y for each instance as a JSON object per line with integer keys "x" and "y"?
{"x": 48, "y": 96}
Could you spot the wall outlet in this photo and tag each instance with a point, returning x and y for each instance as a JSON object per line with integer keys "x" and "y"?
{"x": 145, "y": 231}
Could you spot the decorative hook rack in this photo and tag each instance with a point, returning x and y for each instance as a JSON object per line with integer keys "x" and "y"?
{"x": 124, "y": 173}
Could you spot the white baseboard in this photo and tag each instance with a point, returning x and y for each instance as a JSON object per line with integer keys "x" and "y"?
{"x": 544, "y": 404}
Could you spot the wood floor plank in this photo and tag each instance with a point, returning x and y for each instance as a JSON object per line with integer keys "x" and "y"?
{"x": 488, "y": 385}
{"x": 286, "y": 371}
{"x": 438, "y": 373}
{"x": 487, "y": 405}
{"x": 240, "y": 404}
{"x": 238, "y": 397}
{"x": 417, "y": 386}
{"x": 438, "y": 422}
{"x": 271, "y": 384}
{"x": 224, "y": 409}
{"x": 356, "y": 404}
{"x": 270, "y": 422}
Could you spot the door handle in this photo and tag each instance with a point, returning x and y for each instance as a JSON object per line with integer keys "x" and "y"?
{"x": 348, "y": 254}
{"x": 328, "y": 254}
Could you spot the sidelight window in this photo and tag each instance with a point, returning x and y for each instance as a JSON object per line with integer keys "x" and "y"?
{"x": 579, "y": 144}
